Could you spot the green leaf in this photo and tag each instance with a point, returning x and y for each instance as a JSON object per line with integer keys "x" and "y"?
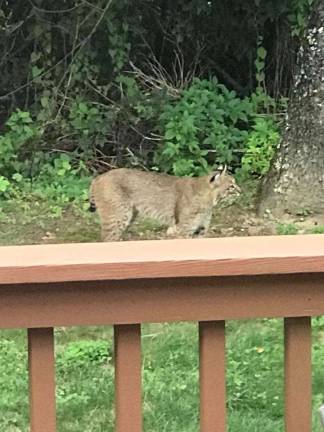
{"x": 35, "y": 56}
{"x": 44, "y": 101}
{"x": 262, "y": 53}
{"x": 169, "y": 134}
{"x": 36, "y": 71}
{"x": 17, "y": 177}
{"x": 83, "y": 107}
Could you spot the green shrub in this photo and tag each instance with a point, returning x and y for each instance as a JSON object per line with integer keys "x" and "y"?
{"x": 63, "y": 180}
{"x": 207, "y": 125}
{"x": 89, "y": 124}
{"x": 202, "y": 125}
{"x": 57, "y": 177}
{"x": 20, "y": 132}
{"x": 260, "y": 147}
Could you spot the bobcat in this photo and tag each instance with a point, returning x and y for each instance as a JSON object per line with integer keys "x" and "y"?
{"x": 184, "y": 204}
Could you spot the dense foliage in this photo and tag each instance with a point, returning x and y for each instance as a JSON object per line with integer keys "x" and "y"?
{"x": 177, "y": 86}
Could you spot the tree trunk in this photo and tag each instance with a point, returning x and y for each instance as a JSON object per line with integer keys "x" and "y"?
{"x": 296, "y": 179}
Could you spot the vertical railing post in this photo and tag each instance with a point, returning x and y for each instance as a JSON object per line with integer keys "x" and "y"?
{"x": 212, "y": 376}
{"x": 128, "y": 381}
{"x": 298, "y": 375}
{"x": 41, "y": 366}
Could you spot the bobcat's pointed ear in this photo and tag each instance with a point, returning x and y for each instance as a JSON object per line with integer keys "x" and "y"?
{"x": 214, "y": 179}
{"x": 222, "y": 169}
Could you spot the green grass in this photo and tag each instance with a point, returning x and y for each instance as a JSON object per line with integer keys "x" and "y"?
{"x": 85, "y": 378}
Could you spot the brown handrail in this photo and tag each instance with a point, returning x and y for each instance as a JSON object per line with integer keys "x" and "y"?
{"x": 126, "y": 284}
{"x": 167, "y": 258}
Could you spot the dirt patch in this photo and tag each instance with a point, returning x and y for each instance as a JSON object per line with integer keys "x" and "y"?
{"x": 21, "y": 225}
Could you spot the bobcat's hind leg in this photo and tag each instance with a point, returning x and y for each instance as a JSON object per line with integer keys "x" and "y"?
{"x": 115, "y": 218}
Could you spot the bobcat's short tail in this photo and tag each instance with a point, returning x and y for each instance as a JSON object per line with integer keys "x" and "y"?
{"x": 92, "y": 207}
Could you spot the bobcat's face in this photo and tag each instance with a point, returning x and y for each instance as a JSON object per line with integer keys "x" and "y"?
{"x": 224, "y": 185}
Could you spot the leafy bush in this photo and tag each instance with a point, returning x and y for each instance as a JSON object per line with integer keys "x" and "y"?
{"x": 104, "y": 91}
{"x": 201, "y": 125}
{"x": 207, "y": 125}
{"x": 20, "y": 132}
{"x": 56, "y": 177}
{"x": 63, "y": 179}
{"x": 89, "y": 123}
{"x": 260, "y": 147}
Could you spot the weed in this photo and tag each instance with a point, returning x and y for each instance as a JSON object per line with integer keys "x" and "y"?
{"x": 317, "y": 230}
{"x": 287, "y": 229}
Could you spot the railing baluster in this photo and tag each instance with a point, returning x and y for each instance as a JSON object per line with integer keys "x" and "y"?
{"x": 128, "y": 385}
{"x": 212, "y": 376}
{"x": 298, "y": 375}
{"x": 41, "y": 365}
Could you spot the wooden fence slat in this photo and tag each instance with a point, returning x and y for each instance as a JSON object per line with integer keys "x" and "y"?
{"x": 212, "y": 376}
{"x": 41, "y": 366}
{"x": 298, "y": 375}
{"x": 128, "y": 378}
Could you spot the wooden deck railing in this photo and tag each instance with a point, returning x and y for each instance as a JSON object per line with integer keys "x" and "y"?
{"x": 127, "y": 284}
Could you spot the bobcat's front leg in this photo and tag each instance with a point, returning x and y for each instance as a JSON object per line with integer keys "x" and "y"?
{"x": 185, "y": 230}
{"x": 194, "y": 226}
{"x": 176, "y": 231}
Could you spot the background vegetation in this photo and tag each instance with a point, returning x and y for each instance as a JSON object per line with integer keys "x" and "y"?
{"x": 177, "y": 86}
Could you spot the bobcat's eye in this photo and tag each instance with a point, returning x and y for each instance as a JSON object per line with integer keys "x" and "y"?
{"x": 235, "y": 188}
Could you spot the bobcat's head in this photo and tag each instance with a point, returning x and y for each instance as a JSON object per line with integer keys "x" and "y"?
{"x": 223, "y": 184}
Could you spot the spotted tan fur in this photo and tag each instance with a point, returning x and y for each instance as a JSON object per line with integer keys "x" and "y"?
{"x": 184, "y": 204}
